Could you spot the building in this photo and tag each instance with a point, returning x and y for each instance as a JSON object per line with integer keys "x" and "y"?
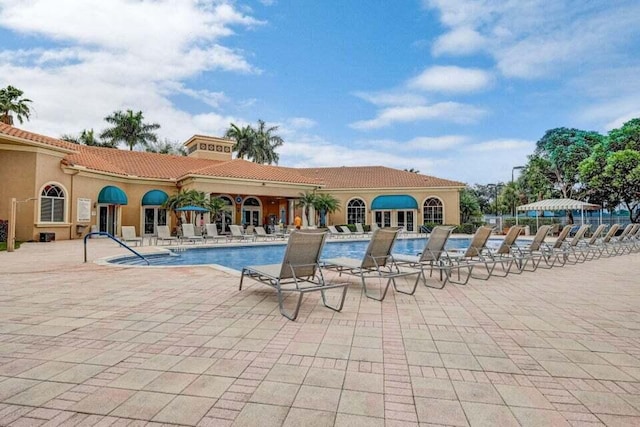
{"x": 69, "y": 189}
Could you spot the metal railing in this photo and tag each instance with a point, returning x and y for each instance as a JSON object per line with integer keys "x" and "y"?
{"x": 102, "y": 233}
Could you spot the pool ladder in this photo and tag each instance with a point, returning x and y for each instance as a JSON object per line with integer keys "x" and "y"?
{"x": 118, "y": 241}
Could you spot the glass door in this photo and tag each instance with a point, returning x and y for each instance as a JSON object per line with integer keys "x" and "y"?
{"x": 405, "y": 219}
{"x": 251, "y": 217}
{"x": 383, "y": 218}
{"x": 107, "y": 221}
{"x": 153, "y": 217}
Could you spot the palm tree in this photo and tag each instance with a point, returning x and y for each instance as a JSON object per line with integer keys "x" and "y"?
{"x": 216, "y": 206}
{"x": 326, "y": 203}
{"x": 87, "y": 137}
{"x": 305, "y": 200}
{"x": 166, "y": 147}
{"x": 412, "y": 170}
{"x": 267, "y": 142}
{"x": 185, "y": 198}
{"x": 11, "y": 102}
{"x": 244, "y": 138}
{"x": 257, "y": 145}
{"x": 129, "y": 128}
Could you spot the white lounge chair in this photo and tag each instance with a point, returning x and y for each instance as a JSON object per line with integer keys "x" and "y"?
{"x": 237, "y": 233}
{"x": 261, "y": 233}
{"x": 212, "y": 233}
{"x": 129, "y": 235}
{"x": 333, "y": 232}
{"x": 189, "y": 234}
{"x": 360, "y": 229}
{"x": 346, "y": 231}
{"x": 299, "y": 272}
{"x": 164, "y": 235}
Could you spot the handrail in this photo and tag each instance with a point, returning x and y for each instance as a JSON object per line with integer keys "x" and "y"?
{"x": 103, "y": 233}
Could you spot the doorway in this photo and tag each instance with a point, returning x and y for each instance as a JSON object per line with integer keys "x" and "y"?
{"x": 108, "y": 219}
{"x": 153, "y": 217}
{"x": 405, "y": 219}
{"x": 383, "y": 218}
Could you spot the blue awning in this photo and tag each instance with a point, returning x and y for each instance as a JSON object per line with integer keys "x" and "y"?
{"x": 111, "y": 195}
{"x": 396, "y": 201}
{"x": 154, "y": 198}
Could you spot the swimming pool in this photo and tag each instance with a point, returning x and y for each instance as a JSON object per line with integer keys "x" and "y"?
{"x": 237, "y": 257}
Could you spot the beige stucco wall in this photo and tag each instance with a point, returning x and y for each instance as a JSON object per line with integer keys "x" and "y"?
{"x": 450, "y": 198}
{"x": 17, "y": 175}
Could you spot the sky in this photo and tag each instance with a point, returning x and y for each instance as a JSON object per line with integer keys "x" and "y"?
{"x": 458, "y": 89}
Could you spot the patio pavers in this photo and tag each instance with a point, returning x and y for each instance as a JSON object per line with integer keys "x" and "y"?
{"x": 84, "y": 344}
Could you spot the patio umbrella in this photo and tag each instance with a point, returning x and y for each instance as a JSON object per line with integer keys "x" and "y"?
{"x": 191, "y": 208}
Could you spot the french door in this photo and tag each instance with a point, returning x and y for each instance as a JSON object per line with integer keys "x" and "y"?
{"x": 108, "y": 219}
{"x": 405, "y": 219}
{"x": 383, "y": 218}
{"x": 153, "y": 217}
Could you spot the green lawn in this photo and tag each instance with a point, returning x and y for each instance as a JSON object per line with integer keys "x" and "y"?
{"x": 3, "y": 246}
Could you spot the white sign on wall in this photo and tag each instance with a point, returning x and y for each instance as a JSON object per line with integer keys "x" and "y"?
{"x": 84, "y": 210}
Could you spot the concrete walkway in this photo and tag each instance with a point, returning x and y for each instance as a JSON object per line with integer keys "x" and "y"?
{"x": 86, "y": 345}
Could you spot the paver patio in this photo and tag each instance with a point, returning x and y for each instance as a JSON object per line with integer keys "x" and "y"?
{"x": 85, "y": 344}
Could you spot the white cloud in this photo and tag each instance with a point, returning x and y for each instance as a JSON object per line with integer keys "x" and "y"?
{"x": 301, "y": 122}
{"x": 454, "y": 112}
{"x": 436, "y": 143}
{"x": 392, "y": 98}
{"x": 502, "y": 145}
{"x": 535, "y": 38}
{"x": 121, "y": 54}
{"x": 460, "y": 41}
{"x": 451, "y": 79}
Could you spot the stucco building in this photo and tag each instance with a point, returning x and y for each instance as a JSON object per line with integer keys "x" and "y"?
{"x": 69, "y": 189}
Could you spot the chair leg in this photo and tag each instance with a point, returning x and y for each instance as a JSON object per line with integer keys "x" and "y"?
{"x": 294, "y": 315}
{"x": 415, "y": 284}
{"x": 340, "y": 305}
{"x": 384, "y": 293}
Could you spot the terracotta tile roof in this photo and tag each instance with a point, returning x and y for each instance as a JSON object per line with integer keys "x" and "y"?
{"x": 164, "y": 166}
{"x": 30, "y": 136}
{"x": 136, "y": 163}
{"x": 374, "y": 177}
{"x": 243, "y": 169}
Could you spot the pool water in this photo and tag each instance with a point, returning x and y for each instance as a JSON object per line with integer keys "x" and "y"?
{"x": 237, "y": 257}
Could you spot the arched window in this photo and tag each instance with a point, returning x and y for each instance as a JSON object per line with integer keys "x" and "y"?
{"x": 52, "y": 204}
{"x": 251, "y": 211}
{"x": 356, "y": 212}
{"x": 432, "y": 211}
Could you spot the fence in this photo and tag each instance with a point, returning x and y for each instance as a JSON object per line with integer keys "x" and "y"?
{"x": 4, "y": 227}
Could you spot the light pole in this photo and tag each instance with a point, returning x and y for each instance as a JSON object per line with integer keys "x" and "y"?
{"x": 495, "y": 192}
{"x": 513, "y": 169}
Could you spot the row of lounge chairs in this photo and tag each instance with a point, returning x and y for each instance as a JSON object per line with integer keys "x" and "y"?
{"x": 301, "y": 270}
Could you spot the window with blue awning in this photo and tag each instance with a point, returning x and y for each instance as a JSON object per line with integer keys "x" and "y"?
{"x": 111, "y": 195}
{"x": 154, "y": 198}
{"x": 394, "y": 201}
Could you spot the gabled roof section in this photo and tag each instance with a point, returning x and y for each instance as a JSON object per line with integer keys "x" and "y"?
{"x": 374, "y": 177}
{"x": 8, "y": 130}
{"x": 243, "y": 169}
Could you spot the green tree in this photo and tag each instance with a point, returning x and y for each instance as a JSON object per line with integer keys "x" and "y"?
{"x": 469, "y": 205}
{"x": 129, "y": 128}
{"x": 325, "y": 203}
{"x": 305, "y": 200}
{"x": 186, "y": 198}
{"x": 216, "y": 206}
{"x": 534, "y": 181}
{"x": 12, "y": 102}
{"x": 412, "y": 170}
{"x": 244, "y": 138}
{"x": 563, "y": 150}
{"x": 612, "y": 173}
{"x": 87, "y": 137}
{"x": 256, "y": 144}
{"x": 166, "y": 147}
{"x": 509, "y": 197}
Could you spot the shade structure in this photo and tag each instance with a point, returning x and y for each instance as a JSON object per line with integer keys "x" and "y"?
{"x": 192, "y": 208}
{"x": 395, "y": 201}
{"x": 559, "y": 205}
{"x": 154, "y": 198}
{"x": 111, "y": 195}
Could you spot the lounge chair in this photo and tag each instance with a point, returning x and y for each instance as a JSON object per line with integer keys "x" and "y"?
{"x": 299, "y": 272}
{"x": 212, "y": 233}
{"x": 360, "y": 229}
{"x": 261, "y": 233}
{"x": 430, "y": 257}
{"x": 590, "y": 247}
{"x": 333, "y": 232}
{"x": 237, "y": 233}
{"x": 505, "y": 255}
{"x": 574, "y": 250}
{"x": 164, "y": 235}
{"x": 129, "y": 235}
{"x": 533, "y": 253}
{"x": 556, "y": 252}
{"x": 377, "y": 262}
{"x": 628, "y": 242}
{"x": 346, "y": 231}
{"x": 473, "y": 256}
{"x": 189, "y": 234}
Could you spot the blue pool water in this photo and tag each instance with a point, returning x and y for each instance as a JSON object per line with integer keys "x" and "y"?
{"x": 237, "y": 257}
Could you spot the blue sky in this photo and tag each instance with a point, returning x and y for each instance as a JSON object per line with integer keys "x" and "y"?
{"x": 459, "y": 89}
